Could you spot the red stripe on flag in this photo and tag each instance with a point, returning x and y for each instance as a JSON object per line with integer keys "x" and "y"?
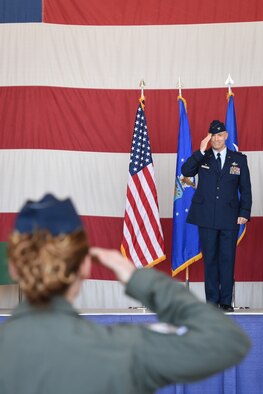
{"x": 107, "y": 232}
{"x": 150, "y": 12}
{"x": 45, "y": 118}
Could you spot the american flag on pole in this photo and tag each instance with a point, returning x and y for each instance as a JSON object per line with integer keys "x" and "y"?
{"x": 143, "y": 239}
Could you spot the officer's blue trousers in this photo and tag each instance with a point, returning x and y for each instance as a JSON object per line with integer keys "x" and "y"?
{"x": 219, "y": 251}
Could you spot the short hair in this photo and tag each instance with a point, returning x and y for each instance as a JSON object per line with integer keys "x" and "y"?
{"x": 46, "y": 265}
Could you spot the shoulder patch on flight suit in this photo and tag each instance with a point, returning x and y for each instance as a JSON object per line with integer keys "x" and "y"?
{"x": 165, "y": 328}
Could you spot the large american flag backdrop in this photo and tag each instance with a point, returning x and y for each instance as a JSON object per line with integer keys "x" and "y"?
{"x": 69, "y": 76}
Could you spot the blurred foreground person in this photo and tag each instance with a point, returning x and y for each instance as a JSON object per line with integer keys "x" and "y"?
{"x": 46, "y": 347}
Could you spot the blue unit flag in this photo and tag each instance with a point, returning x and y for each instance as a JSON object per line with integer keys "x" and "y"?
{"x": 185, "y": 241}
{"x": 232, "y": 141}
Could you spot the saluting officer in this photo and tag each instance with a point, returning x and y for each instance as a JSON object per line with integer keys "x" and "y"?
{"x": 220, "y": 204}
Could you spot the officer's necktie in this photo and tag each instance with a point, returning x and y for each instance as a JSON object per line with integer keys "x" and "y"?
{"x": 218, "y": 160}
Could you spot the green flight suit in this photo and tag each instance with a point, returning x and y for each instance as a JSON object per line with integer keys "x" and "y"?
{"x": 52, "y": 350}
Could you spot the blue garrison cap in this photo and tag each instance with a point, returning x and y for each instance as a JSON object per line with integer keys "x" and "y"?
{"x": 216, "y": 127}
{"x": 49, "y": 213}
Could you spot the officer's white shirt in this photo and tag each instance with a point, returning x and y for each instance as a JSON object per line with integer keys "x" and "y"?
{"x": 222, "y": 155}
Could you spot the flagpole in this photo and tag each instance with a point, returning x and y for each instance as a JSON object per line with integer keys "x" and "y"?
{"x": 187, "y": 277}
{"x": 142, "y": 86}
{"x": 180, "y": 86}
{"x": 161, "y": 258}
{"x": 229, "y": 82}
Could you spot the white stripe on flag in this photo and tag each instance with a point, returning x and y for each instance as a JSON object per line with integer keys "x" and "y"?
{"x": 113, "y": 66}
{"x": 90, "y": 176}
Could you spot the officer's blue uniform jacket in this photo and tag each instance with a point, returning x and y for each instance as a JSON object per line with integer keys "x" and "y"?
{"x": 216, "y": 203}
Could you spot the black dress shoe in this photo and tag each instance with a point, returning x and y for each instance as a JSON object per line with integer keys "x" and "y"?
{"x": 226, "y": 308}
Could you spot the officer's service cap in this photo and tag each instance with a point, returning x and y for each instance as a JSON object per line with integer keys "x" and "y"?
{"x": 217, "y": 127}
